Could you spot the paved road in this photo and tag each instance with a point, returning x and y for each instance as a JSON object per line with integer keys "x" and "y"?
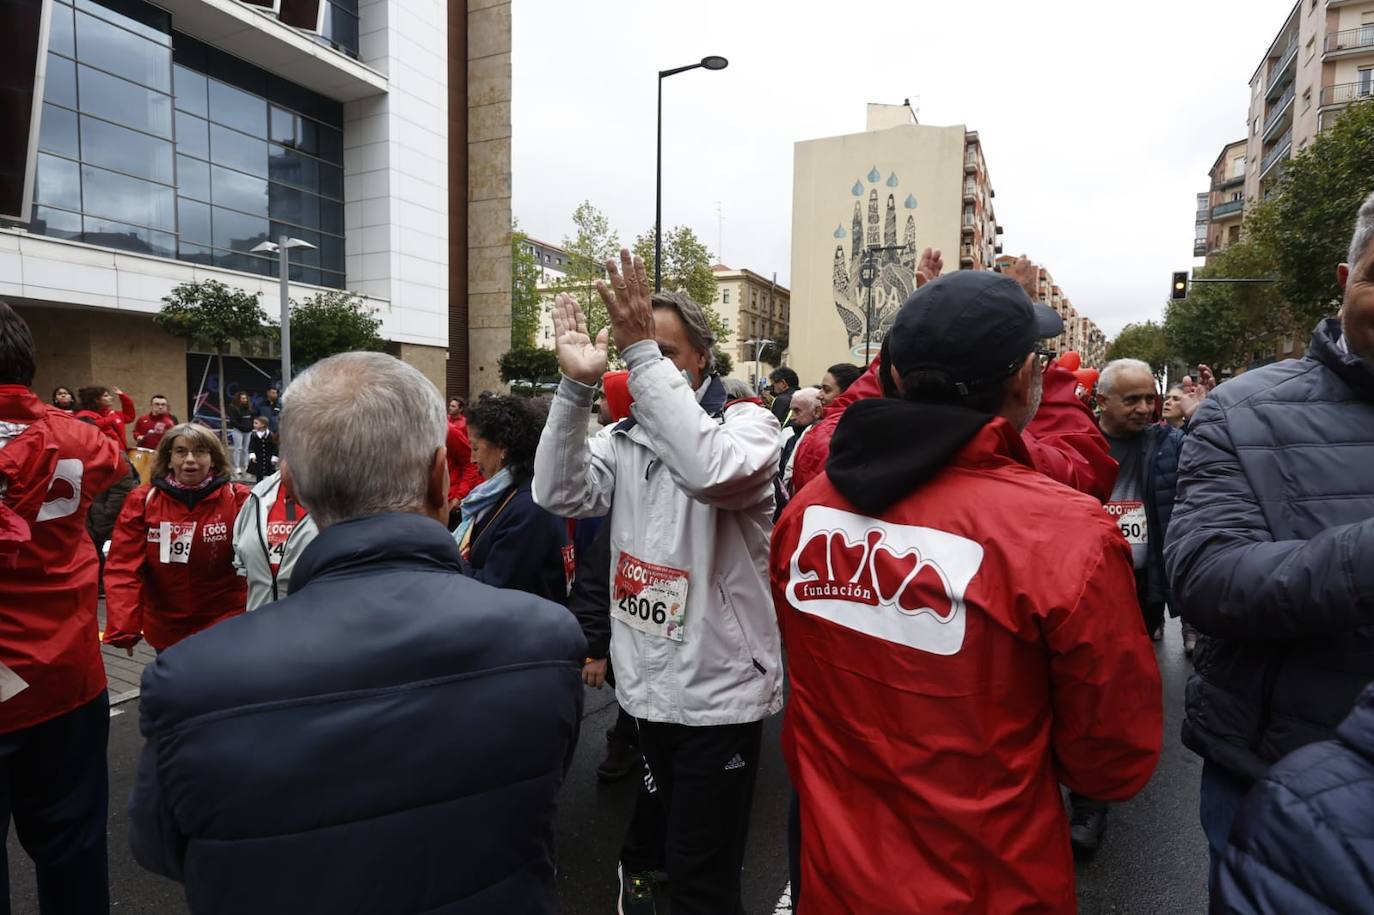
{"x": 1154, "y": 859}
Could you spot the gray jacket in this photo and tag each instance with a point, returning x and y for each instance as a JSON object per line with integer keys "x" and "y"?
{"x": 252, "y": 558}
{"x": 1271, "y": 555}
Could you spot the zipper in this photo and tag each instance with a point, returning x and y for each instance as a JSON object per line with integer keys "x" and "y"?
{"x": 259, "y": 524}
{"x": 744, "y": 636}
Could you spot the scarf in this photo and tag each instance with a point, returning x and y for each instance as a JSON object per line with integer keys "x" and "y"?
{"x": 171, "y": 480}
{"x": 477, "y": 503}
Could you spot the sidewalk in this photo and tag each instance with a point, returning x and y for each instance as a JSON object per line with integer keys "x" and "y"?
{"x": 124, "y": 672}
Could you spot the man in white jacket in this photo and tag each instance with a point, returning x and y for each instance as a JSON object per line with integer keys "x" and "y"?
{"x": 270, "y": 533}
{"x": 693, "y": 639}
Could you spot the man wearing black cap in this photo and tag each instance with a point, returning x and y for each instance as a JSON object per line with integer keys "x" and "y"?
{"x": 957, "y": 642}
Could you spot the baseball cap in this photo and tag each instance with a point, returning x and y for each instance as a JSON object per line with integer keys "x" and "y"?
{"x": 971, "y": 328}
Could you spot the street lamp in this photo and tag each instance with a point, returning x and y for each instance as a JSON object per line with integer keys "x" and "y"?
{"x": 758, "y": 345}
{"x": 280, "y": 248}
{"x": 868, "y": 275}
{"x": 710, "y": 62}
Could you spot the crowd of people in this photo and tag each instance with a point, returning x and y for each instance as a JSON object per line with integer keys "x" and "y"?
{"x": 954, "y": 560}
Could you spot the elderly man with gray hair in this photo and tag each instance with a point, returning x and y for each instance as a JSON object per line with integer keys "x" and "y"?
{"x": 392, "y": 735}
{"x": 1271, "y": 555}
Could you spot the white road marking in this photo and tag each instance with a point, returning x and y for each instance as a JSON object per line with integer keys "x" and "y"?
{"x": 116, "y": 711}
{"x": 784, "y": 906}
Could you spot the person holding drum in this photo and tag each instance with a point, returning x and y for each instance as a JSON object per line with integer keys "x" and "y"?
{"x": 170, "y": 572}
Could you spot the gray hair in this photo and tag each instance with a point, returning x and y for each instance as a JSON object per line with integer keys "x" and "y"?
{"x": 698, "y": 331}
{"x": 737, "y": 389}
{"x": 805, "y": 397}
{"x": 1364, "y": 232}
{"x": 359, "y": 432}
{"x": 1106, "y": 382}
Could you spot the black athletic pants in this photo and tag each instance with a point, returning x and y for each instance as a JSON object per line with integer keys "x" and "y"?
{"x": 53, "y": 783}
{"x": 703, "y": 779}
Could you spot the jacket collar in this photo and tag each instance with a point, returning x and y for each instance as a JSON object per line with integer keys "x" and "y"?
{"x": 20, "y": 405}
{"x": 394, "y": 538}
{"x": 712, "y": 401}
{"x": 191, "y": 497}
{"x": 1326, "y": 349}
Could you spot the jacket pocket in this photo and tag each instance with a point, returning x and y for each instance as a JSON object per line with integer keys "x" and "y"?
{"x": 745, "y": 645}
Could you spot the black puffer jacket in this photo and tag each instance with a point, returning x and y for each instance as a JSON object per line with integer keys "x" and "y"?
{"x": 1271, "y": 555}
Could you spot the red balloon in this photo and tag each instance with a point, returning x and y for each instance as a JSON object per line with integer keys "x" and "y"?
{"x": 1087, "y": 377}
{"x": 1071, "y": 361}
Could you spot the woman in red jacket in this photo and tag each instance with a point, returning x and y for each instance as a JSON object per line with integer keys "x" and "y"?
{"x": 96, "y": 405}
{"x": 170, "y": 572}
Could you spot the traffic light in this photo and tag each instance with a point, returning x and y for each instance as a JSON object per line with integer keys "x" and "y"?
{"x": 1180, "y": 290}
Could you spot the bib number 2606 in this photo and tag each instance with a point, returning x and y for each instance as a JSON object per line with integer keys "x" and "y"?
{"x": 649, "y": 597}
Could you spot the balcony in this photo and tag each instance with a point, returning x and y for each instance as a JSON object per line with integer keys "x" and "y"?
{"x": 966, "y": 254}
{"x": 970, "y": 191}
{"x": 1279, "y": 152}
{"x": 1282, "y": 74}
{"x": 1349, "y": 40}
{"x": 1345, "y": 93}
{"x": 1277, "y": 112}
{"x": 1200, "y": 247}
{"x": 1227, "y": 208}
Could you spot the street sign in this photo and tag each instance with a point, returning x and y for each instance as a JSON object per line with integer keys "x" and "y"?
{"x": 867, "y": 273}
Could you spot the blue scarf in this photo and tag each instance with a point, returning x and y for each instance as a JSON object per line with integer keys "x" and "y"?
{"x": 477, "y": 503}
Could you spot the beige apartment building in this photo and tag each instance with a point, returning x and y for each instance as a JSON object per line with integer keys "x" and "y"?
{"x": 753, "y": 307}
{"x": 864, "y": 206}
{"x": 1081, "y": 335}
{"x": 1220, "y": 209}
{"x": 1320, "y": 62}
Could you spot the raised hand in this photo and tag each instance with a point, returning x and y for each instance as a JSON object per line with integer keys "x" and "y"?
{"x": 628, "y": 300}
{"x": 1205, "y": 379}
{"x": 930, "y": 267}
{"x": 578, "y": 357}
{"x": 1024, "y": 271}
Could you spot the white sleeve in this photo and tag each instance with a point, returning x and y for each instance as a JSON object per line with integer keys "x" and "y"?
{"x": 574, "y": 477}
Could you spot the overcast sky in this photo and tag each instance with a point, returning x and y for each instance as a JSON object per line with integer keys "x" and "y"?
{"x": 1099, "y": 122}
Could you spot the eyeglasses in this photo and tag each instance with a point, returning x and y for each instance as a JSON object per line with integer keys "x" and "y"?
{"x": 182, "y": 453}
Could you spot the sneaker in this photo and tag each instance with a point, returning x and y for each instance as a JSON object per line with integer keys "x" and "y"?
{"x": 636, "y": 893}
{"x": 622, "y": 758}
{"x": 1086, "y": 826}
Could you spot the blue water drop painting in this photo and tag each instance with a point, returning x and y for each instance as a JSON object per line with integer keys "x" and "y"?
{"x": 840, "y": 232}
{"x": 910, "y": 202}
{"x": 892, "y": 180}
{"x": 874, "y": 176}
{"x": 858, "y": 189}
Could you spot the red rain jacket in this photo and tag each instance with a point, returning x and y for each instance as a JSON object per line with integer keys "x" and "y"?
{"x": 110, "y": 422}
{"x": 952, "y": 663}
{"x": 48, "y": 566}
{"x": 463, "y": 474}
{"x": 1063, "y": 439}
{"x": 166, "y": 601}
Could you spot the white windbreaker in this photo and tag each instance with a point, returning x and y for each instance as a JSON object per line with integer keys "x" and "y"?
{"x": 250, "y": 545}
{"x": 692, "y": 488}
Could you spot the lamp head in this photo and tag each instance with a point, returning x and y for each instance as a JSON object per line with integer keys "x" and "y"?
{"x": 714, "y": 62}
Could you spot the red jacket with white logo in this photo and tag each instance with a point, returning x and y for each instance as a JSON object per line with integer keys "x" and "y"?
{"x": 110, "y": 422}
{"x": 953, "y": 661}
{"x": 48, "y": 567}
{"x": 167, "y": 593}
{"x": 149, "y": 429}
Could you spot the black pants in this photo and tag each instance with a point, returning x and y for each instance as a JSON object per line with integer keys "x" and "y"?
{"x": 703, "y": 778}
{"x": 53, "y": 783}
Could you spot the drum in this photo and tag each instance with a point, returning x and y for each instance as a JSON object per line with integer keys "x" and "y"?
{"x": 142, "y": 459}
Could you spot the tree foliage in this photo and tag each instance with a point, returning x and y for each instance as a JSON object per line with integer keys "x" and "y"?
{"x": 724, "y": 363}
{"x": 593, "y": 243}
{"x": 531, "y": 364}
{"x": 687, "y": 269}
{"x": 1146, "y": 342}
{"x": 525, "y": 303}
{"x": 773, "y": 352}
{"x": 329, "y": 323}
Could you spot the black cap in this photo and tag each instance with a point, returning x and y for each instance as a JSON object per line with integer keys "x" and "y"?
{"x": 972, "y": 328}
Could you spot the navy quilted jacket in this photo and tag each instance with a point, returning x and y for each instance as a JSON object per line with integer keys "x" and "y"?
{"x": 1304, "y": 841}
{"x": 1271, "y": 555}
{"x": 390, "y": 738}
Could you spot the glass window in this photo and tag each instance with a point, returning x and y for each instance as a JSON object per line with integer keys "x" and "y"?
{"x": 332, "y": 253}
{"x": 111, "y": 48}
{"x": 57, "y": 132}
{"x": 237, "y": 72}
{"x": 304, "y": 274}
{"x": 193, "y": 220}
{"x": 58, "y": 183}
{"x": 293, "y": 168}
{"x": 127, "y": 199}
{"x": 60, "y": 83}
{"x": 124, "y": 103}
{"x": 196, "y": 254}
{"x": 62, "y": 37}
{"x": 146, "y": 20}
{"x": 235, "y": 189}
{"x": 193, "y": 135}
{"x": 55, "y": 223}
{"x": 331, "y": 144}
{"x": 331, "y": 181}
{"x": 236, "y": 108}
{"x": 331, "y": 216}
{"x": 238, "y": 231}
{"x": 126, "y": 150}
{"x": 340, "y": 29}
{"x": 240, "y": 260}
{"x": 193, "y": 178}
{"x": 295, "y": 206}
{"x": 282, "y": 127}
{"x": 229, "y": 147}
{"x": 191, "y": 90}
{"x": 129, "y": 238}
{"x": 307, "y": 256}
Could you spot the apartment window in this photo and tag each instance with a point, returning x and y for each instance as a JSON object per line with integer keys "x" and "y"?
{"x": 725, "y": 296}
{"x": 340, "y": 26}
{"x": 1238, "y": 167}
{"x": 1306, "y": 99}
{"x": 1311, "y": 47}
{"x": 1365, "y": 81}
{"x": 1200, "y": 231}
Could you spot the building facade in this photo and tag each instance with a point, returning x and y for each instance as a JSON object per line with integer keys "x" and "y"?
{"x": 176, "y": 139}
{"x": 753, "y": 307}
{"x": 1081, "y": 335}
{"x": 864, "y": 206}
{"x": 1221, "y": 208}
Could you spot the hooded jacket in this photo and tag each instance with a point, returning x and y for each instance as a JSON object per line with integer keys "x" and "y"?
{"x": 958, "y": 646}
{"x": 50, "y": 470}
{"x": 110, "y": 422}
{"x": 1269, "y": 555}
{"x": 165, "y": 595}
{"x": 391, "y": 737}
{"x": 692, "y": 482}
{"x": 463, "y": 474}
{"x": 254, "y": 543}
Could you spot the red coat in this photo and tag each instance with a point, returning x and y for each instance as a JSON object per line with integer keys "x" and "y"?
{"x": 463, "y": 474}
{"x": 48, "y": 566}
{"x": 1063, "y": 439}
{"x": 167, "y": 595}
{"x": 952, "y": 662}
{"x": 149, "y": 429}
{"x": 110, "y": 422}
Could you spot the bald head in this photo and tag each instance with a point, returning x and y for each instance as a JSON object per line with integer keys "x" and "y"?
{"x": 806, "y": 406}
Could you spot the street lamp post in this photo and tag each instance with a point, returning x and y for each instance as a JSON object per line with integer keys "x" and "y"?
{"x": 758, "y": 345}
{"x": 710, "y": 62}
{"x": 280, "y": 248}
{"x": 868, "y": 275}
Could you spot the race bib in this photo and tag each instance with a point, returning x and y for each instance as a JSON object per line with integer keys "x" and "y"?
{"x": 174, "y": 541}
{"x": 569, "y": 563}
{"x": 649, "y": 597}
{"x": 1130, "y": 517}
{"x": 278, "y": 532}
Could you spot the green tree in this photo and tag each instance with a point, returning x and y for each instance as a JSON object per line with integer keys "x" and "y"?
{"x": 217, "y": 315}
{"x": 1314, "y": 209}
{"x": 724, "y": 364}
{"x": 531, "y": 364}
{"x": 1146, "y": 342}
{"x": 773, "y": 352}
{"x": 332, "y": 322}
{"x": 591, "y": 245}
{"x": 687, "y": 269}
{"x": 525, "y": 303}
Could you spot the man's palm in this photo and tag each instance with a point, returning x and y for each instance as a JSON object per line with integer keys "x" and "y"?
{"x": 579, "y": 357}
